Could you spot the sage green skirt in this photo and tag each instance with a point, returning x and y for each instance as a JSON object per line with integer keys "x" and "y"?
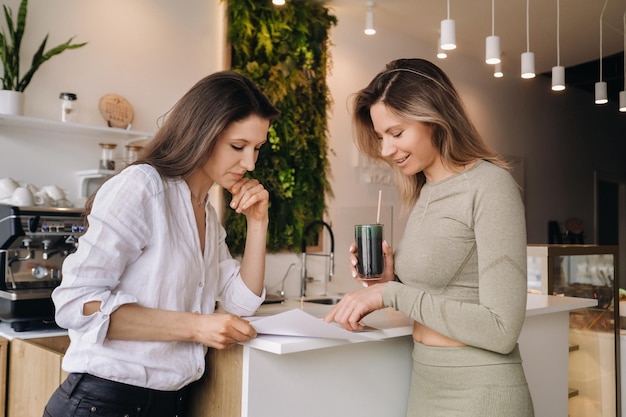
{"x": 467, "y": 382}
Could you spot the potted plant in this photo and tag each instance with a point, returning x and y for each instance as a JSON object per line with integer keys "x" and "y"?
{"x": 13, "y": 86}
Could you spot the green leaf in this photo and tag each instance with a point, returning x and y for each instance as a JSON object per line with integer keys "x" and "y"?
{"x": 285, "y": 52}
{"x": 10, "y": 45}
{"x": 40, "y": 57}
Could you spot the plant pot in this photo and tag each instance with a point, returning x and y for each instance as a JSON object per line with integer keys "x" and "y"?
{"x": 12, "y": 102}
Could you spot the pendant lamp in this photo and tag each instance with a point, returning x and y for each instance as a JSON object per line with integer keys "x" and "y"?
{"x": 528, "y": 65}
{"x": 492, "y": 43}
{"x": 278, "y": 2}
{"x": 369, "y": 19}
{"x": 441, "y": 54}
{"x": 600, "y": 86}
{"x": 497, "y": 70}
{"x": 601, "y": 92}
{"x": 448, "y": 32}
{"x": 558, "y": 71}
{"x": 558, "y": 78}
{"x": 492, "y": 47}
{"x": 528, "y": 58}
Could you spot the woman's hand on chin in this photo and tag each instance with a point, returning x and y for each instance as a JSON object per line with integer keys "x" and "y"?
{"x": 251, "y": 199}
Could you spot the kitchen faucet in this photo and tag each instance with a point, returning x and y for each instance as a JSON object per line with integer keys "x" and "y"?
{"x": 281, "y": 292}
{"x": 330, "y": 255}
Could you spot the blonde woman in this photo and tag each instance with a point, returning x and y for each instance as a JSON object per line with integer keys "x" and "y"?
{"x": 459, "y": 270}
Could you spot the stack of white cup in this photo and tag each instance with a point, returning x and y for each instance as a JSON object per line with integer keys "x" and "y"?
{"x": 14, "y": 193}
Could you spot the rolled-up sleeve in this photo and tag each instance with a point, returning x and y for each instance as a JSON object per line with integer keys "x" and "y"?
{"x": 234, "y": 294}
{"x": 115, "y": 237}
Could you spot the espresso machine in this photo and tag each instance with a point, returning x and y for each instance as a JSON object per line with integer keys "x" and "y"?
{"x": 34, "y": 241}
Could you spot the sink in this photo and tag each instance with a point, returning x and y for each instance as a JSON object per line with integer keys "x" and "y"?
{"x": 273, "y": 299}
{"x": 323, "y": 300}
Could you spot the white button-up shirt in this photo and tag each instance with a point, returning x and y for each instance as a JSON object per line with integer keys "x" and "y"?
{"x": 142, "y": 247}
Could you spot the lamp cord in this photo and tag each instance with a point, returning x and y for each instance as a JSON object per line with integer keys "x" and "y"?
{"x": 493, "y": 12}
{"x": 527, "y": 26}
{"x": 448, "y": 9}
{"x": 558, "y": 33}
{"x": 601, "y": 18}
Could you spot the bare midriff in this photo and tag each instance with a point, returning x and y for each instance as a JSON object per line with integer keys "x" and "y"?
{"x": 429, "y": 337}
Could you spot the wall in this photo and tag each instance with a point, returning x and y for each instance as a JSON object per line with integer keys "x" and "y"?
{"x": 152, "y": 51}
{"x": 149, "y": 51}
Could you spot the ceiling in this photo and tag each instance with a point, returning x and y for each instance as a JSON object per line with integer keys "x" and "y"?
{"x": 579, "y": 32}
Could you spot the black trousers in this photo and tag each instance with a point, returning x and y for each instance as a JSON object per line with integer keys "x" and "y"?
{"x": 82, "y": 395}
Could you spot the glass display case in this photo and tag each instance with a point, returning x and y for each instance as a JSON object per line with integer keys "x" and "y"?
{"x": 586, "y": 271}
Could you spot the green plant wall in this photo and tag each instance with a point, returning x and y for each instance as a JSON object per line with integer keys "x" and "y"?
{"x": 285, "y": 51}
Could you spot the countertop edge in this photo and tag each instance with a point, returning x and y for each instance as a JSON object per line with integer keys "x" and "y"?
{"x": 536, "y": 305}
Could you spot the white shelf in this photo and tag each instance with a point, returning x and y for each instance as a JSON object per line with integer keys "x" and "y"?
{"x": 95, "y": 173}
{"x": 30, "y": 125}
{"x": 31, "y": 136}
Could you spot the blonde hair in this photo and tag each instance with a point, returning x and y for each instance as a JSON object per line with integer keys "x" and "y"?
{"x": 418, "y": 90}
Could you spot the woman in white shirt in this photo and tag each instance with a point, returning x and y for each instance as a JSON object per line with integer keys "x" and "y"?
{"x": 138, "y": 296}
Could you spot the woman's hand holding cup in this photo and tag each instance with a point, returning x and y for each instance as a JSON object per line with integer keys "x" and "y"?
{"x": 388, "y": 270}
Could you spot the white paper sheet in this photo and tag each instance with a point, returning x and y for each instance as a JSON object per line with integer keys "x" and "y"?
{"x": 296, "y": 322}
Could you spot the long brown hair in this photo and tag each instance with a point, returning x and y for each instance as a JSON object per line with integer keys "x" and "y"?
{"x": 190, "y": 130}
{"x": 416, "y": 89}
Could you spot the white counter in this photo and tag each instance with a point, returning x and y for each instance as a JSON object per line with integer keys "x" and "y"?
{"x": 544, "y": 345}
{"x": 547, "y": 304}
{"x": 286, "y": 376}
{"x": 7, "y": 332}
{"x": 389, "y": 322}
{"x": 305, "y": 376}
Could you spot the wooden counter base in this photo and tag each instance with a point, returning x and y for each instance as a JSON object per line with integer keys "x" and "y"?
{"x": 218, "y": 393}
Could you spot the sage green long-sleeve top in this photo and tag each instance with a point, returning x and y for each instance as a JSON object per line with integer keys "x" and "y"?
{"x": 462, "y": 259}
